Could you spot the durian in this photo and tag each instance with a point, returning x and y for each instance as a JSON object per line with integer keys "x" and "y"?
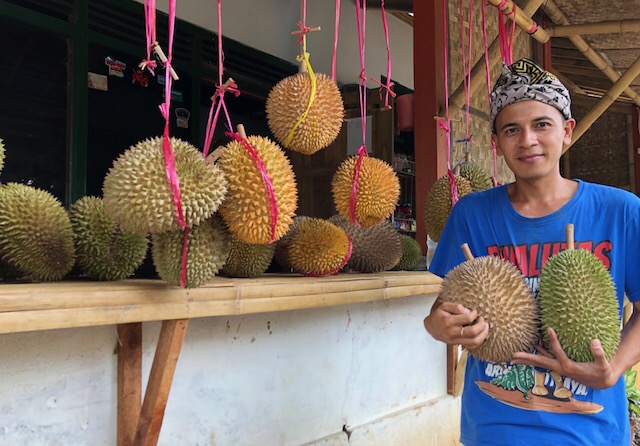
{"x": 137, "y": 195}
{"x": 318, "y": 248}
{"x": 247, "y": 208}
{"x": 282, "y": 245}
{"x": 476, "y": 176}
{"x": 2, "y": 154}
{"x": 286, "y": 104}
{"x": 207, "y": 251}
{"x": 438, "y": 205}
{"x": 35, "y": 233}
{"x": 411, "y": 253}
{"x": 248, "y": 260}
{"x": 377, "y": 194}
{"x": 578, "y": 300}
{"x": 375, "y": 249}
{"x": 105, "y": 251}
{"x": 499, "y": 292}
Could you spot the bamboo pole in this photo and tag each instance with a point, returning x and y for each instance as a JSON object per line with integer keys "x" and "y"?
{"x": 607, "y": 99}
{"x": 522, "y": 19}
{"x": 559, "y": 18}
{"x": 457, "y": 99}
{"x": 610, "y": 27}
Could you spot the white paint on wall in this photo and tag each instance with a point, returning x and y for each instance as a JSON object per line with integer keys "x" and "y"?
{"x": 287, "y": 378}
{"x": 266, "y": 25}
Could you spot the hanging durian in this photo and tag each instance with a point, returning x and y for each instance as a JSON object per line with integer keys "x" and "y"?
{"x": 247, "y": 208}
{"x": 207, "y": 251}
{"x": 318, "y": 248}
{"x": 499, "y": 292}
{"x": 438, "y": 205}
{"x": 288, "y": 101}
{"x": 578, "y": 300}
{"x": 105, "y": 251}
{"x": 35, "y": 232}
{"x": 377, "y": 194}
{"x": 282, "y": 245}
{"x": 476, "y": 176}
{"x": 411, "y": 253}
{"x": 375, "y": 249}
{"x": 137, "y": 195}
{"x": 247, "y": 260}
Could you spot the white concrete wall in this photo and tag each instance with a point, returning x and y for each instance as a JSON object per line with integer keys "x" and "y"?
{"x": 267, "y": 24}
{"x": 286, "y": 378}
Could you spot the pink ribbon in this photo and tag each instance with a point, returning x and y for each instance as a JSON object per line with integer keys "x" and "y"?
{"x": 304, "y": 30}
{"x": 150, "y": 33}
{"x": 342, "y": 264}
{"x": 386, "y": 38}
{"x": 362, "y": 152}
{"x": 266, "y": 181}
{"x": 487, "y": 69}
{"x": 335, "y": 42}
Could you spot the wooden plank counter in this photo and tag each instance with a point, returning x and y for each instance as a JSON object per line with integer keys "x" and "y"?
{"x": 43, "y": 306}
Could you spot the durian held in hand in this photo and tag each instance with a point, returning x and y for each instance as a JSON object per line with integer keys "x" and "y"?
{"x": 377, "y": 192}
{"x": 439, "y": 204}
{"x": 137, "y": 196}
{"x": 578, "y": 300}
{"x": 262, "y": 196}
{"x": 499, "y": 292}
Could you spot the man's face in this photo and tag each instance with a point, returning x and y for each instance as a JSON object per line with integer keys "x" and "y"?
{"x": 530, "y": 136}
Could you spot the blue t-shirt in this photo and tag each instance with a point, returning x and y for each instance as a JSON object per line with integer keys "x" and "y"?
{"x": 607, "y": 223}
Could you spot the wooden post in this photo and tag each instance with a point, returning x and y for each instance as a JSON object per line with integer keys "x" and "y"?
{"x": 522, "y": 19}
{"x": 607, "y": 99}
{"x": 160, "y": 379}
{"x": 129, "y": 380}
{"x": 631, "y": 150}
{"x": 616, "y": 26}
{"x": 636, "y": 145}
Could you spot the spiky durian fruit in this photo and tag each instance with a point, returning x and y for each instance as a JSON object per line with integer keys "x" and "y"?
{"x": 375, "y": 249}
{"x": 105, "y": 251}
{"x": 499, "y": 292}
{"x": 378, "y": 190}
{"x": 137, "y": 195}
{"x": 438, "y": 205}
{"x": 476, "y": 176}
{"x": 247, "y": 208}
{"x": 282, "y": 245}
{"x": 411, "y": 253}
{"x": 318, "y": 248}
{"x": 35, "y": 232}
{"x": 286, "y": 104}
{"x": 207, "y": 251}
{"x": 248, "y": 260}
{"x": 2, "y": 154}
{"x": 578, "y": 300}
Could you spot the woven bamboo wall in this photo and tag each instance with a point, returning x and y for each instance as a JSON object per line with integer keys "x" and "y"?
{"x": 478, "y": 116}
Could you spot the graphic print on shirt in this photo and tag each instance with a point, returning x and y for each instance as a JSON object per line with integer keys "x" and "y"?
{"x": 524, "y": 386}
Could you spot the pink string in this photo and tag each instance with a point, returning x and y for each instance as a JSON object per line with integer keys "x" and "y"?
{"x": 362, "y": 152}
{"x": 389, "y": 84}
{"x": 342, "y": 264}
{"x": 487, "y": 68}
{"x": 446, "y": 124}
{"x": 266, "y": 180}
{"x": 506, "y": 35}
{"x": 150, "y": 28}
{"x": 466, "y": 64}
{"x": 335, "y": 42}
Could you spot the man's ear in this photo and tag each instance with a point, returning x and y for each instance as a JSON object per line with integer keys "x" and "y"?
{"x": 569, "y": 125}
{"x": 494, "y": 140}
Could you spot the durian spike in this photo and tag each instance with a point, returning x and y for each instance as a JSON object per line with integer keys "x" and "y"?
{"x": 467, "y": 251}
{"x": 241, "y": 131}
{"x": 570, "y": 240}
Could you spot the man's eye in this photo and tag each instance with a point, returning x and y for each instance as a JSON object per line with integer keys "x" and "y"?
{"x": 510, "y": 131}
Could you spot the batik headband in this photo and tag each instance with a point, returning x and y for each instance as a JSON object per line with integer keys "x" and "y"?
{"x": 525, "y": 80}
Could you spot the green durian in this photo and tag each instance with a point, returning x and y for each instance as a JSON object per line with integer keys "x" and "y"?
{"x": 247, "y": 259}
{"x": 578, "y": 300}
{"x": 438, "y": 204}
{"x": 411, "y": 253}
{"x": 207, "y": 251}
{"x": 476, "y": 176}
{"x": 105, "y": 251}
{"x": 35, "y": 232}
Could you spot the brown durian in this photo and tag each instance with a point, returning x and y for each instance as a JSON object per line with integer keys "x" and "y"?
{"x": 438, "y": 205}
{"x": 378, "y": 190}
{"x": 375, "y": 249}
{"x": 247, "y": 207}
{"x": 207, "y": 251}
{"x": 286, "y": 104}
{"x": 247, "y": 260}
{"x": 499, "y": 292}
{"x": 318, "y": 248}
{"x": 137, "y": 195}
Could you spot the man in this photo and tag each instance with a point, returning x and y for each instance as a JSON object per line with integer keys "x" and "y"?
{"x": 568, "y": 403}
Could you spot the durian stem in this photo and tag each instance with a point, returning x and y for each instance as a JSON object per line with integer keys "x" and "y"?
{"x": 302, "y": 67}
{"x": 570, "y": 240}
{"x": 241, "y": 131}
{"x": 467, "y": 251}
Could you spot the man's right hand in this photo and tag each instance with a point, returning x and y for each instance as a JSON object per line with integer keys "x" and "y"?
{"x": 455, "y": 324}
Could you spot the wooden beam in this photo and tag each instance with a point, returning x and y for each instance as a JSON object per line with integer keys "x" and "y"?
{"x": 635, "y": 130}
{"x": 604, "y": 103}
{"x": 129, "y": 380}
{"x": 631, "y": 154}
{"x": 589, "y": 102}
{"x": 160, "y": 379}
{"x": 609, "y": 27}
{"x": 558, "y": 17}
{"x": 522, "y": 19}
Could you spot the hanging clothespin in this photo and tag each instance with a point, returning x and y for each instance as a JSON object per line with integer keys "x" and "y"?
{"x": 163, "y": 58}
